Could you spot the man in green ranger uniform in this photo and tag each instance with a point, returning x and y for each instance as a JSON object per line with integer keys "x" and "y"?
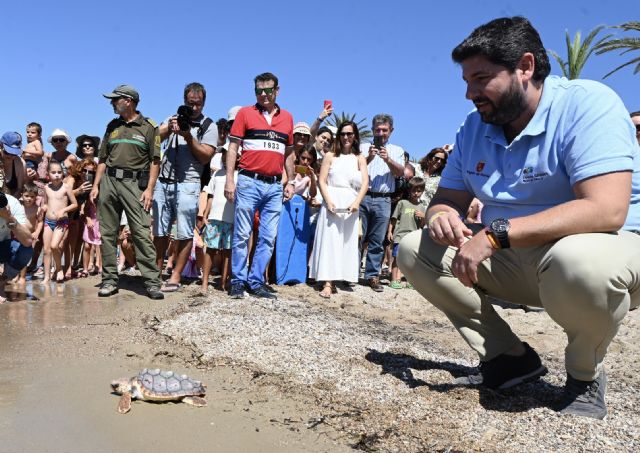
{"x": 125, "y": 179}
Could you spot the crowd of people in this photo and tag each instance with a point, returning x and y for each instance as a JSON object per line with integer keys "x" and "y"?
{"x": 537, "y": 202}
{"x": 196, "y": 199}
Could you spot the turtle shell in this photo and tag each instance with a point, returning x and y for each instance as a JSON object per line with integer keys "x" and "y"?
{"x": 167, "y": 385}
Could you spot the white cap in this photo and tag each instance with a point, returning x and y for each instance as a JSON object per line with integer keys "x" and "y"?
{"x": 233, "y": 111}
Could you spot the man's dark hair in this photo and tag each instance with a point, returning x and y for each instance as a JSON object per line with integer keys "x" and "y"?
{"x": 635, "y": 114}
{"x": 196, "y": 88}
{"x": 265, "y": 77}
{"x": 503, "y": 42}
{"x": 221, "y": 123}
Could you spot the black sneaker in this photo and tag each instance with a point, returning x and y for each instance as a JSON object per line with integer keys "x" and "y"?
{"x": 262, "y": 293}
{"x": 154, "y": 293}
{"x": 107, "y": 289}
{"x": 584, "y": 398}
{"x": 237, "y": 291}
{"x": 507, "y": 371}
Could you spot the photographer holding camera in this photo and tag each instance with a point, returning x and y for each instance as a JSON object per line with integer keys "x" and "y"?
{"x": 191, "y": 142}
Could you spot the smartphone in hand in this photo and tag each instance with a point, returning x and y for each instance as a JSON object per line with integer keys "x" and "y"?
{"x": 301, "y": 169}
{"x": 377, "y": 142}
{"x": 327, "y": 104}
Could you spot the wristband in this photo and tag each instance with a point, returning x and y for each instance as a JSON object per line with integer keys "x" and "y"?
{"x": 492, "y": 240}
{"x": 435, "y": 216}
{"x": 320, "y": 119}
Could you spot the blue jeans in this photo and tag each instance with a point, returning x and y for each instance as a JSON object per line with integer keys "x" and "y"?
{"x": 15, "y": 256}
{"x": 175, "y": 201}
{"x": 253, "y": 195}
{"x": 374, "y": 216}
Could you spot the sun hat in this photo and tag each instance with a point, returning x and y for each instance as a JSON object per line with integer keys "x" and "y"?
{"x": 83, "y": 138}
{"x": 59, "y": 133}
{"x": 126, "y": 91}
{"x": 233, "y": 111}
{"x": 302, "y": 128}
{"x": 12, "y": 143}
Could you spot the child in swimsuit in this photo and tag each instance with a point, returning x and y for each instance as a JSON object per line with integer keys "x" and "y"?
{"x": 34, "y": 216}
{"x": 59, "y": 201}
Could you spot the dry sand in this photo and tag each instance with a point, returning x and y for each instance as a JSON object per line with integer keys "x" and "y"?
{"x": 365, "y": 371}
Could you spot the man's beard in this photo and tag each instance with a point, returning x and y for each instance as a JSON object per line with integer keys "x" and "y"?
{"x": 507, "y": 109}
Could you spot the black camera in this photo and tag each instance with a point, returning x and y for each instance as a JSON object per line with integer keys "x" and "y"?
{"x": 185, "y": 113}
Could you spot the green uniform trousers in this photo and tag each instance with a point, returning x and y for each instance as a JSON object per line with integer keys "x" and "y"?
{"x": 115, "y": 196}
{"x": 586, "y": 283}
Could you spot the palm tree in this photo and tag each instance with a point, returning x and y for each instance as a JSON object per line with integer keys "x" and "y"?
{"x": 626, "y": 44}
{"x": 577, "y": 52}
{"x": 335, "y": 121}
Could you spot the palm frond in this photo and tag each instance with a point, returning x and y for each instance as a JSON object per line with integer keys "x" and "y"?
{"x": 336, "y": 120}
{"x": 578, "y": 52}
{"x": 626, "y": 45}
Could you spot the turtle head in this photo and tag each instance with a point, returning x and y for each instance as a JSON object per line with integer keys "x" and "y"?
{"x": 121, "y": 386}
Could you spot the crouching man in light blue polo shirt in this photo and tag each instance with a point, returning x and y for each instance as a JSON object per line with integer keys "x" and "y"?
{"x": 557, "y": 167}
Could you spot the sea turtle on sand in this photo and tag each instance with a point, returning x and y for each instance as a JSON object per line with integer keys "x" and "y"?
{"x": 158, "y": 385}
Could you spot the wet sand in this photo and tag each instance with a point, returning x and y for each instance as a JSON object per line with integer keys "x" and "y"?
{"x": 60, "y": 352}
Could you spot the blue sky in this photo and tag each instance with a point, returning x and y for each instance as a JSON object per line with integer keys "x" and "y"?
{"x": 367, "y": 57}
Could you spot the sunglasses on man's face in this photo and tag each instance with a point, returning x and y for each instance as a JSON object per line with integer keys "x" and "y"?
{"x": 259, "y": 91}
{"x": 58, "y": 140}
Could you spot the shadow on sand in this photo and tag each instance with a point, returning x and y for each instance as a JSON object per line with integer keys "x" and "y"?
{"x": 518, "y": 399}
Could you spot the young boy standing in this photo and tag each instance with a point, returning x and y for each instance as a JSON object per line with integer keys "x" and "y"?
{"x": 59, "y": 201}
{"x": 407, "y": 217}
{"x": 34, "y": 216}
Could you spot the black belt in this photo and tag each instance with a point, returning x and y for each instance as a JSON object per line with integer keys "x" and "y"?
{"x": 379, "y": 194}
{"x": 167, "y": 181}
{"x": 121, "y": 173}
{"x": 259, "y": 177}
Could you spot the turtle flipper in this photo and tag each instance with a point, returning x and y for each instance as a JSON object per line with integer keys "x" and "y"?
{"x": 195, "y": 401}
{"x": 124, "y": 405}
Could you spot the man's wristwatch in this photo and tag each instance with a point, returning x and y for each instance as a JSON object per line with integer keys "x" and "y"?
{"x": 499, "y": 229}
{"x": 12, "y": 224}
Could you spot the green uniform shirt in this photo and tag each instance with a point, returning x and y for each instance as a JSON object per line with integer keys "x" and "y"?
{"x": 131, "y": 146}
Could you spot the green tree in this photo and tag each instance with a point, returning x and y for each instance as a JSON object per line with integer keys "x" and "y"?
{"x": 578, "y": 52}
{"x": 627, "y": 44}
{"x": 335, "y": 120}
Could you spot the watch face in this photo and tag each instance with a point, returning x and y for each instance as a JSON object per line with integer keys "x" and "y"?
{"x": 500, "y": 225}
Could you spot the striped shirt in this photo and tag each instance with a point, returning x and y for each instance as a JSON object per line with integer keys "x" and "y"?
{"x": 263, "y": 144}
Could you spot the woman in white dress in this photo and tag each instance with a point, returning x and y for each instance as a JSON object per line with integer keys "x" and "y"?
{"x": 343, "y": 183}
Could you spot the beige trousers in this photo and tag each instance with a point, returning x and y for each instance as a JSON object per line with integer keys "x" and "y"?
{"x": 585, "y": 282}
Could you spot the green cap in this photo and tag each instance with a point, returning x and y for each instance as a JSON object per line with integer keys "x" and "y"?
{"x": 126, "y": 91}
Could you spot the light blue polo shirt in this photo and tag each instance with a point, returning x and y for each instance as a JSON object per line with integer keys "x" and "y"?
{"x": 580, "y": 129}
{"x": 381, "y": 180}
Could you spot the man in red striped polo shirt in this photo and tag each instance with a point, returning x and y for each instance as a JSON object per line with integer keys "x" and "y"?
{"x": 265, "y": 132}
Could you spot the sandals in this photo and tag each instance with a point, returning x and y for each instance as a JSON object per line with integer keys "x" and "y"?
{"x": 82, "y": 273}
{"x": 170, "y": 287}
{"x": 396, "y": 284}
{"x": 328, "y": 290}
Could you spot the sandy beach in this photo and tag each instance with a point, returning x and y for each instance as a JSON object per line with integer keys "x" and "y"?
{"x": 363, "y": 371}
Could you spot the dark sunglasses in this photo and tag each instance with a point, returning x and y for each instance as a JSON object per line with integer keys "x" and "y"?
{"x": 346, "y": 134}
{"x": 58, "y": 140}
{"x": 437, "y": 159}
{"x": 266, "y": 90}
{"x": 92, "y": 172}
{"x": 87, "y": 145}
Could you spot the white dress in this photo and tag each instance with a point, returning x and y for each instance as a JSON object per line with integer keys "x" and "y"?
{"x": 335, "y": 247}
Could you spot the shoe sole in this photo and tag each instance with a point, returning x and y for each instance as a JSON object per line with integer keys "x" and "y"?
{"x": 237, "y": 296}
{"x": 108, "y": 294}
{"x": 537, "y": 373}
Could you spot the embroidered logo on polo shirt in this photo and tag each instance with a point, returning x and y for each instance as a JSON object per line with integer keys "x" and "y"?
{"x": 115, "y": 133}
{"x": 529, "y": 175}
